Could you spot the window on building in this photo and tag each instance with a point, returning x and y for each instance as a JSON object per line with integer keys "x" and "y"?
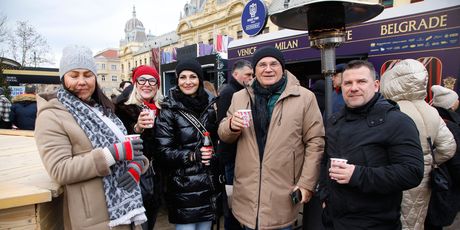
{"x": 103, "y": 77}
{"x": 129, "y": 66}
{"x": 122, "y": 67}
{"x": 135, "y": 63}
{"x": 102, "y": 66}
{"x": 113, "y": 67}
{"x": 145, "y": 61}
{"x": 114, "y": 78}
{"x": 387, "y": 3}
{"x": 150, "y": 60}
{"x": 140, "y": 62}
{"x": 239, "y": 34}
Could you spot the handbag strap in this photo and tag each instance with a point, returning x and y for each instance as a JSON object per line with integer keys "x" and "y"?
{"x": 195, "y": 122}
{"x": 435, "y": 164}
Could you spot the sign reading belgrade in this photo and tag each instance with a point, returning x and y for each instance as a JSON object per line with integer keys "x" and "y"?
{"x": 254, "y": 17}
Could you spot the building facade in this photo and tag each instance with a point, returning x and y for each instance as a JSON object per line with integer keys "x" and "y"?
{"x": 108, "y": 70}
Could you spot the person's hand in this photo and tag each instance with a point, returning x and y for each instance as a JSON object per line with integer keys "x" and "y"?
{"x": 126, "y": 150}
{"x": 131, "y": 178}
{"x": 306, "y": 194}
{"x": 341, "y": 172}
{"x": 236, "y": 123}
{"x": 144, "y": 121}
{"x": 206, "y": 155}
{"x": 203, "y": 155}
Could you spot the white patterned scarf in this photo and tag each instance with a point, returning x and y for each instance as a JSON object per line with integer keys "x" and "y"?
{"x": 124, "y": 207}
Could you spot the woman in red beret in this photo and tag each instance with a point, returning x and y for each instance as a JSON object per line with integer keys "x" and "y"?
{"x": 138, "y": 110}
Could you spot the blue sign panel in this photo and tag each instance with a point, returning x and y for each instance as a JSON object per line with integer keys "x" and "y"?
{"x": 254, "y": 17}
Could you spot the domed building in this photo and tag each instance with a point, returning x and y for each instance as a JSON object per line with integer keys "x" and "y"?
{"x": 135, "y": 38}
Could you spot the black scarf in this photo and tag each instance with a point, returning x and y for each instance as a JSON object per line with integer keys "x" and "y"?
{"x": 260, "y": 111}
{"x": 196, "y": 104}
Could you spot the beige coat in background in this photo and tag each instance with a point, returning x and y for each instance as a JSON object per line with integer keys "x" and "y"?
{"x": 406, "y": 83}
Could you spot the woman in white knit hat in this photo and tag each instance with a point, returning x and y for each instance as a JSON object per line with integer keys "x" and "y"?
{"x": 82, "y": 146}
{"x": 439, "y": 216}
{"x": 406, "y": 84}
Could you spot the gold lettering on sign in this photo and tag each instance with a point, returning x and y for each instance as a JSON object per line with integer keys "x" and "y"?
{"x": 284, "y": 45}
{"x": 246, "y": 51}
{"x": 414, "y": 25}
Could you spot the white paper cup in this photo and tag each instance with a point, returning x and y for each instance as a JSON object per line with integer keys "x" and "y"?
{"x": 132, "y": 137}
{"x": 246, "y": 115}
{"x": 152, "y": 113}
{"x": 334, "y": 161}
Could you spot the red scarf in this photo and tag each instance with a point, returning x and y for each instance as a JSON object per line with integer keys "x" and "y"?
{"x": 152, "y": 106}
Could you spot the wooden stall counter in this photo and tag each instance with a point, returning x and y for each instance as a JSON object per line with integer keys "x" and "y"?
{"x": 29, "y": 198}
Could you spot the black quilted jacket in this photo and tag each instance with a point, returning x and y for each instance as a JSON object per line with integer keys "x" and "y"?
{"x": 191, "y": 188}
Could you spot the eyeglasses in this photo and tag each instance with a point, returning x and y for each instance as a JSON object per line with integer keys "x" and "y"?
{"x": 142, "y": 81}
{"x": 273, "y": 65}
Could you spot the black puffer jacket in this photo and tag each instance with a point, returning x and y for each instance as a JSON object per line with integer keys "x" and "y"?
{"x": 191, "y": 187}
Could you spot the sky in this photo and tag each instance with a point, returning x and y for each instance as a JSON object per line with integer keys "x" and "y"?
{"x": 98, "y": 24}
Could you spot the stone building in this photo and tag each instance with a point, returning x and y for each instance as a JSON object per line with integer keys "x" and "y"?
{"x": 108, "y": 70}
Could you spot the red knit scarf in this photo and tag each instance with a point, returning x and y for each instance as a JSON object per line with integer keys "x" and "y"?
{"x": 152, "y": 106}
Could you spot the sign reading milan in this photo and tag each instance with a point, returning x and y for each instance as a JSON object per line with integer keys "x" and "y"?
{"x": 254, "y": 17}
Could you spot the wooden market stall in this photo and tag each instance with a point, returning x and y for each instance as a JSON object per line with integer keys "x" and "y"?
{"x": 29, "y": 198}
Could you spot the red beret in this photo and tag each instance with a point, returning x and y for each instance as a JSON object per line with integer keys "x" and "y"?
{"x": 145, "y": 70}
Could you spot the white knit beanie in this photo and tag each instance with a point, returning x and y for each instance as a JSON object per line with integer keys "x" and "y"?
{"x": 443, "y": 97}
{"x": 76, "y": 57}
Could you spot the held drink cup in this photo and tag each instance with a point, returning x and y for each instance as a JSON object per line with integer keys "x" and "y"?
{"x": 334, "y": 162}
{"x": 151, "y": 115}
{"x": 132, "y": 137}
{"x": 246, "y": 115}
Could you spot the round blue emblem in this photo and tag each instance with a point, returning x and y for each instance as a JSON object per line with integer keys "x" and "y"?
{"x": 254, "y": 17}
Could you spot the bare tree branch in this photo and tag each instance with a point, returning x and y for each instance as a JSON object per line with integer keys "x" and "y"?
{"x": 27, "y": 46}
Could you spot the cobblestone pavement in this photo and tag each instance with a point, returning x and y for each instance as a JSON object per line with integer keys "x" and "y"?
{"x": 163, "y": 223}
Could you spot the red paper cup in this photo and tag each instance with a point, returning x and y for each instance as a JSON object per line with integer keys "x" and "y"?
{"x": 334, "y": 161}
{"x": 152, "y": 113}
{"x": 132, "y": 137}
{"x": 246, "y": 115}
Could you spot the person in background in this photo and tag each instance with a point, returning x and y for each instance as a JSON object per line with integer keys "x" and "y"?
{"x": 124, "y": 84}
{"x": 24, "y": 109}
{"x": 337, "y": 98}
{"x": 319, "y": 90}
{"x": 82, "y": 146}
{"x": 210, "y": 88}
{"x": 192, "y": 186}
{"x": 5, "y": 109}
{"x": 279, "y": 154}
{"x": 384, "y": 157}
{"x": 134, "y": 111}
{"x": 446, "y": 102}
{"x": 241, "y": 74}
{"x": 406, "y": 84}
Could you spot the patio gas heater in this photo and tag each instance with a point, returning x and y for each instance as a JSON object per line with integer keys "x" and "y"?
{"x": 325, "y": 21}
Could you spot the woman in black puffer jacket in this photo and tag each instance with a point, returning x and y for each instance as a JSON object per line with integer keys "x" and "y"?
{"x": 192, "y": 185}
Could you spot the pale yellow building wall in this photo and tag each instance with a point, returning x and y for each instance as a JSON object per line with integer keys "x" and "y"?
{"x": 215, "y": 19}
{"x": 108, "y": 74}
{"x": 126, "y": 55}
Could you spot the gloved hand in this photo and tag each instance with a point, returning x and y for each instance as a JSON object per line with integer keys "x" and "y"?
{"x": 126, "y": 150}
{"x": 131, "y": 178}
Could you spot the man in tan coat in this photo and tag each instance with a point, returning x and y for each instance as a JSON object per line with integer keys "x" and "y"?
{"x": 280, "y": 151}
